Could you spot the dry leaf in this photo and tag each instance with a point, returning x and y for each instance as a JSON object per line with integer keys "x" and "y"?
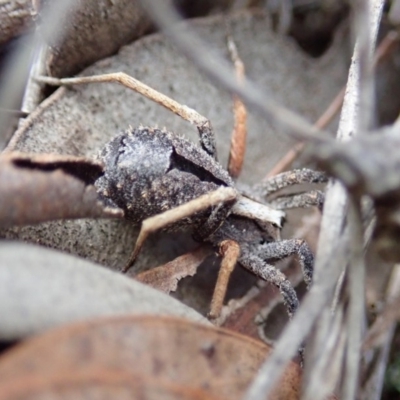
{"x": 156, "y": 349}
{"x": 37, "y": 188}
{"x": 166, "y": 277}
{"x": 98, "y": 384}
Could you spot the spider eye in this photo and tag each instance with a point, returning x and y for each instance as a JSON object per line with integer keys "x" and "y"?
{"x": 262, "y": 241}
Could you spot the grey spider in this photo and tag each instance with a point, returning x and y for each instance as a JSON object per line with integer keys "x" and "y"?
{"x": 153, "y": 175}
{"x": 163, "y": 181}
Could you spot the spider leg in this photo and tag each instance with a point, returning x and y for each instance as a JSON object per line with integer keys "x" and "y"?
{"x": 271, "y": 274}
{"x": 285, "y": 248}
{"x": 230, "y": 251}
{"x": 206, "y": 132}
{"x": 307, "y": 199}
{"x": 288, "y": 178}
{"x": 159, "y": 221}
{"x": 239, "y": 133}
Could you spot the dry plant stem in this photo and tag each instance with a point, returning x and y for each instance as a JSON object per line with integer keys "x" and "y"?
{"x": 161, "y": 221}
{"x": 186, "y": 113}
{"x": 328, "y": 265}
{"x": 230, "y": 251}
{"x": 239, "y": 133}
{"x": 356, "y": 312}
{"x": 217, "y": 69}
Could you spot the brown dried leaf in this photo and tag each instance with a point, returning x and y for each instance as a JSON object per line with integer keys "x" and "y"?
{"x": 180, "y": 353}
{"x": 166, "y": 277}
{"x": 98, "y": 384}
{"x": 37, "y": 188}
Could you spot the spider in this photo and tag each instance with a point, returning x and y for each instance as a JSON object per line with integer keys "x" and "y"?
{"x": 164, "y": 181}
